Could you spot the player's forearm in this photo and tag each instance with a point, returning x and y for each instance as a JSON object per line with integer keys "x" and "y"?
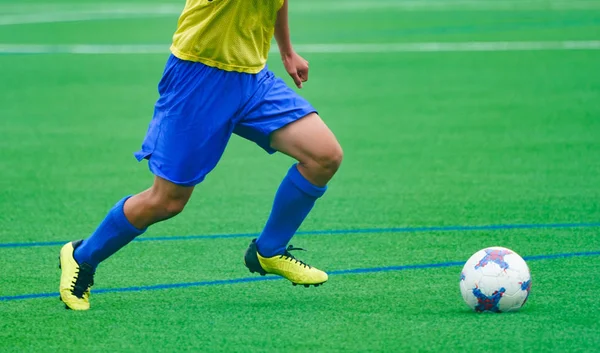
{"x": 282, "y": 31}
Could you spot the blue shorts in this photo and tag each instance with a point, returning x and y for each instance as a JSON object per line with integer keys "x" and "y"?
{"x": 201, "y": 106}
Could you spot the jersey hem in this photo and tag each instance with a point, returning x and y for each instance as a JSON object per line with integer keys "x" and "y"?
{"x": 215, "y": 64}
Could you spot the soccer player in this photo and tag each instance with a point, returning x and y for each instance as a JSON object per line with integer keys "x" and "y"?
{"x": 214, "y": 84}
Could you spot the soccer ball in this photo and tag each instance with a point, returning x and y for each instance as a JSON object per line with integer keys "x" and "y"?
{"x": 495, "y": 280}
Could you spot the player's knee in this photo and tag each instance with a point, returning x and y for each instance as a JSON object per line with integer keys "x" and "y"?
{"x": 167, "y": 205}
{"x": 329, "y": 161}
{"x": 166, "y": 199}
{"x": 172, "y": 207}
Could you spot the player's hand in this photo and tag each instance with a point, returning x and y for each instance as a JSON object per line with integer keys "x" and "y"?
{"x": 296, "y": 67}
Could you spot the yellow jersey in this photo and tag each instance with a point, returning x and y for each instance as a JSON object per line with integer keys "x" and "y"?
{"x": 232, "y": 35}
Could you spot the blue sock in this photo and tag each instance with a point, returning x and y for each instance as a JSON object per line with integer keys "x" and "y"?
{"x": 295, "y": 198}
{"x": 112, "y": 234}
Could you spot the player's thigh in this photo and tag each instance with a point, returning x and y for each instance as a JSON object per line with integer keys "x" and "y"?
{"x": 308, "y": 140}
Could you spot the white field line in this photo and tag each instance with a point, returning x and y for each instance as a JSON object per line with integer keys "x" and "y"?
{"x": 15, "y": 14}
{"x": 446, "y": 5}
{"x": 325, "y": 5}
{"x": 90, "y": 14}
{"x": 448, "y": 47}
{"x": 382, "y": 48}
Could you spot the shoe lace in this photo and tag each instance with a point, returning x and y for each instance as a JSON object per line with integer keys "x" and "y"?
{"x": 84, "y": 279}
{"x": 288, "y": 256}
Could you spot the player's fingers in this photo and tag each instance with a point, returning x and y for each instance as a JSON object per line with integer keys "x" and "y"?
{"x": 296, "y": 77}
{"x": 303, "y": 73}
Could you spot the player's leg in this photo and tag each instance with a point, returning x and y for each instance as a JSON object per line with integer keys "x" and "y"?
{"x": 130, "y": 217}
{"x": 127, "y": 219}
{"x": 281, "y": 120}
{"x": 185, "y": 140}
{"x": 313, "y": 145}
{"x": 158, "y": 203}
{"x": 319, "y": 156}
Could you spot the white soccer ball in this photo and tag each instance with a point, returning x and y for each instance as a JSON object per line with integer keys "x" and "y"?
{"x": 495, "y": 279}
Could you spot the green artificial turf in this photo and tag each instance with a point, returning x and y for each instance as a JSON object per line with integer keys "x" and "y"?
{"x": 430, "y": 139}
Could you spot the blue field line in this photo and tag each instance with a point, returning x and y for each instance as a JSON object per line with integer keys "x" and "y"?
{"x": 263, "y": 279}
{"x": 491, "y": 227}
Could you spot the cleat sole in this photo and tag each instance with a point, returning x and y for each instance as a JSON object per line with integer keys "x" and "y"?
{"x": 308, "y": 285}
{"x": 260, "y": 273}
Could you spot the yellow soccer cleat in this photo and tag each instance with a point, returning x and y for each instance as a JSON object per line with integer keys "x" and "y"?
{"x": 285, "y": 265}
{"x": 75, "y": 280}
